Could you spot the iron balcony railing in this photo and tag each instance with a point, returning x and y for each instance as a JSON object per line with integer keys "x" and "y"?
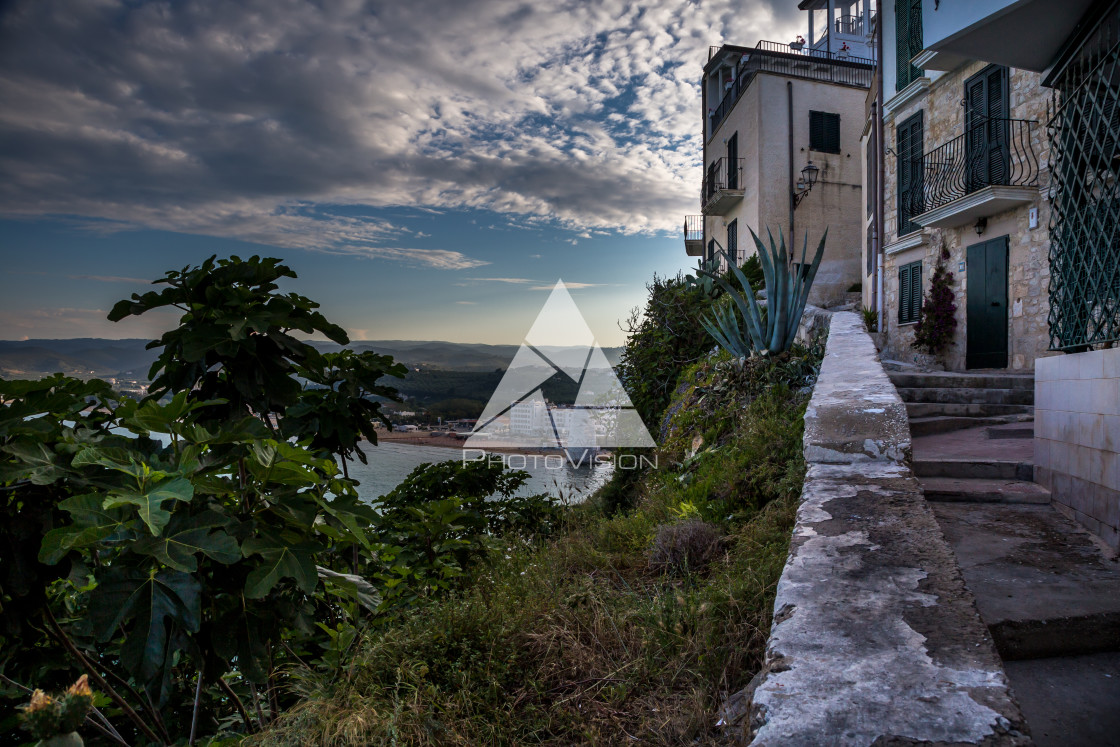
{"x": 721, "y": 176}
{"x": 694, "y": 228}
{"x": 850, "y": 25}
{"x": 991, "y": 152}
{"x": 774, "y": 57}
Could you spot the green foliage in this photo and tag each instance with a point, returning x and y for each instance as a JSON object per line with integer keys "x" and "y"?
{"x": 188, "y": 549}
{"x": 787, "y": 291}
{"x": 663, "y": 340}
{"x": 870, "y": 318}
{"x": 579, "y": 640}
{"x": 444, "y": 518}
{"x": 937, "y": 320}
{"x": 234, "y": 339}
{"x": 337, "y": 409}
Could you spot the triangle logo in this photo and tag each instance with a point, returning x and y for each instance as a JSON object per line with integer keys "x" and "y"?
{"x": 519, "y": 416}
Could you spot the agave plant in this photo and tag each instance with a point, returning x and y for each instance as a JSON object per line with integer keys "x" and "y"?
{"x": 787, "y": 285}
{"x": 702, "y": 280}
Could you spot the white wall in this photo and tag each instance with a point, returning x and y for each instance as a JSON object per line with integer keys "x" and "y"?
{"x": 1077, "y": 437}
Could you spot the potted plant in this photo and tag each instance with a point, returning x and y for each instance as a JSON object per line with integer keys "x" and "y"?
{"x": 845, "y": 50}
{"x": 797, "y": 44}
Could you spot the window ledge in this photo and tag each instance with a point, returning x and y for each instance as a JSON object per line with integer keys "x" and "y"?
{"x": 909, "y": 241}
{"x": 918, "y": 88}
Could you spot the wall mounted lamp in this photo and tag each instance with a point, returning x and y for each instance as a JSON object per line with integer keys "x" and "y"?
{"x": 981, "y": 224}
{"x": 805, "y": 183}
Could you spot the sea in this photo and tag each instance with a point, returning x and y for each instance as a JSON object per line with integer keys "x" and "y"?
{"x": 390, "y": 462}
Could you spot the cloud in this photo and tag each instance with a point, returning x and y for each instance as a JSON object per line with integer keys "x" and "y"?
{"x": 505, "y": 280}
{"x": 569, "y": 286}
{"x": 263, "y": 120}
{"x": 466, "y": 303}
{"x": 440, "y": 259}
{"x": 110, "y": 279}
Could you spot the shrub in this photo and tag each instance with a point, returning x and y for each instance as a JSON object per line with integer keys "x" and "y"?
{"x": 687, "y": 546}
{"x": 936, "y": 320}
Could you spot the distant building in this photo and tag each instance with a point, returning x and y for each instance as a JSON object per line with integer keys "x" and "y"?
{"x": 781, "y": 127}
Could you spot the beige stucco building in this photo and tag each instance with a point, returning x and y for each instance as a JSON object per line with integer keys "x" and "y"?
{"x": 782, "y": 127}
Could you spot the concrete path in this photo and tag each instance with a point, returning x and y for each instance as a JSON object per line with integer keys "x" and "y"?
{"x": 1043, "y": 585}
{"x": 1070, "y": 702}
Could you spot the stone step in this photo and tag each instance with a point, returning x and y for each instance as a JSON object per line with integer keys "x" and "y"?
{"x": 934, "y": 424}
{"x": 954, "y": 380}
{"x": 1017, "y": 431}
{"x": 977, "y": 490}
{"x": 974, "y": 469}
{"x": 1043, "y": 585}
{"x": 967, "y": 395}
{"x": 965, "y": 409}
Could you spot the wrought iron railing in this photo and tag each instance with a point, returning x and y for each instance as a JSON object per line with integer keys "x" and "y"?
{"x": 721, "y": 176}
{"x": 991, "y": 152}
{"x": 1085, "y": 188}
{"x": 775, "y": 57}
{"x": 694, "y": 228}
{"x": 849, "y": 25}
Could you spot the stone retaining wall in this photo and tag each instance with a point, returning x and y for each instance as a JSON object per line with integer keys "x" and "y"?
{"x": 876, "y": 639}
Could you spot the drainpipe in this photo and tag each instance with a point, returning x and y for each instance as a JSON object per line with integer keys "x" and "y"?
{"x": 789, "y": 97}
{"x": 880, "y": 166}
{"x": 829, "y": 28}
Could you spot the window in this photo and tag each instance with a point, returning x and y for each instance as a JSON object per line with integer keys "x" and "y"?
{"x": 909, "y": 292}
{"x": 986, "y": 133}
{"x": 908, "y": 40}
{"x": 824, "y": 132}
{"x": 911, "y": 196}
{"x": 733, "y": 161}
{"x": 733, "y": 241}
{"x": 711, "y": 250}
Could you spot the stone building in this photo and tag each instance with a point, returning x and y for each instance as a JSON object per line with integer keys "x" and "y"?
{"x": 966, "y": 184}
{"x": 782, "y": 125}
{"x": 1001, "y": 126}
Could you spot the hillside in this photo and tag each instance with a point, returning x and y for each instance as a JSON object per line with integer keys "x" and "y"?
{"x": 33, "y": 358}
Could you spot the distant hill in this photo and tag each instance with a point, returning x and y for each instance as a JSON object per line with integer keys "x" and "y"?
{"x": 33, "y": 358}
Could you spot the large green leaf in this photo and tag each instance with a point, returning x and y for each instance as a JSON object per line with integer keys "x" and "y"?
{"x": 278, "y": 560}
{"x": 35, "y": 462}
{"x": 351, "y": 587}
{"x": 181, "y": 543}
{"x": 149, "y": 502}
{"x": 93, "y": 523}
{"x": 147, "y": 606}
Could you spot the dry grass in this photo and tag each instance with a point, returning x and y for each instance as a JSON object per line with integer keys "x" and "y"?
{"x": 580, "y": 640}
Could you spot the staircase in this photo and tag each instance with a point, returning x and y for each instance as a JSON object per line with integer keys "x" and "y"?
{"x": 1048, "y": 594}
{"x": 943, "y": 402}
{"x": 972, "y": 436}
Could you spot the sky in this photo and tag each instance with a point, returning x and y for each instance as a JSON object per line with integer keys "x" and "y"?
{"x": 428, "y": 168}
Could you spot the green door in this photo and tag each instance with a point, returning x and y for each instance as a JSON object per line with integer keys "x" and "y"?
{"x": 987, "y": 305}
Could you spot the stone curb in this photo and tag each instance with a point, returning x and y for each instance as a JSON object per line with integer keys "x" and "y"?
{"x": 876, "y": 640}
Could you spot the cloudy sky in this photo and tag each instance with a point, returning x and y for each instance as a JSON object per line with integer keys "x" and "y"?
{"x": 429, "y": 168}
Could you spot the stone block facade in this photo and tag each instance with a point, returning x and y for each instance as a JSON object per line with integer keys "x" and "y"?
{"x": 940, "y": 100}
{"x": 1077, "y": 438}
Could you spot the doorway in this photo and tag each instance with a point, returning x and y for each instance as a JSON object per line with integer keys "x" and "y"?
{"x": 986, "y": 323}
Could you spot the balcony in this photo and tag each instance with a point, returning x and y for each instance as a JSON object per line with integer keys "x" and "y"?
{"x": 694, "y": 235}
{"x": 773, "y": 57}
{"x": 722, "y": 187}
{"x": 991, "y": 168}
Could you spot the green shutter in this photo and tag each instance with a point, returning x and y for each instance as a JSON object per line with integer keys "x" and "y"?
{"x": 909, "y": 292}
{"x": 911, "y": 182}
{"x": 908, "y": 40}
